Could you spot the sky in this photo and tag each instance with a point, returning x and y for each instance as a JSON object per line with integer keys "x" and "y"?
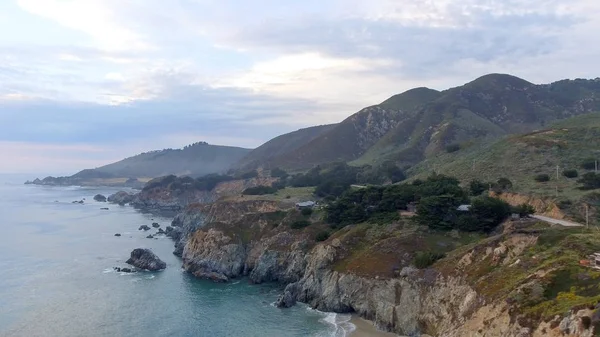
{"x": 87, "y": 82}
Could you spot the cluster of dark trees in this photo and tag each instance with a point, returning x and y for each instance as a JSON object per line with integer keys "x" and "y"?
{"x": 332, "y": 180}
{"x": 438, "y": 199}
{"x": 172, "y": 182}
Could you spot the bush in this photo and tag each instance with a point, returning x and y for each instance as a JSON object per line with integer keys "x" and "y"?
{"x": 306, "y": 211}
{"x": 278, "y": 173}
{"x": 504, "y": 183}
{"x": 477, "y": 187}
{"x": 299, "y": 224}
{"x": 489, "y": 212}
{"x": 589, "y": 164}
{"x": 425, "y": 259}
{"x": 542, "y": 178}
{"x": 259, "y": 190}
{"x": 452, "y": 148}
{"x": 523, "y": 210}
{"x": 322, "y": 236}
{"x": 590, "y": 181}
{"x": 570, "y": 173}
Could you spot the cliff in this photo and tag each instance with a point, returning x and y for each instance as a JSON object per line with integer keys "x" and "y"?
{"x": 524, "y": 282}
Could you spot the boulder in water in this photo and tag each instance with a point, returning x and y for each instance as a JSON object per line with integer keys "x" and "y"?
{"x": 150, "y": 237}
{"x": 144, "y": 228}
{"x": 155, "y": 225}
{"x": 104, "y": 208}
{"x": 145, "y": 259}
{"x": 100, "y": 198}
{"x": 117, "y": 234}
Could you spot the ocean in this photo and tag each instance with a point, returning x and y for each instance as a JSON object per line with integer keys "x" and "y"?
{"x": 57, "y": 259}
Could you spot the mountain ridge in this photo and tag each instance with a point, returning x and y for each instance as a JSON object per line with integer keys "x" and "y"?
{"x": 421, "y": 122}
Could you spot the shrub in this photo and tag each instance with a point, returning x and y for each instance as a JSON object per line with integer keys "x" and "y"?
{"x": 504, "y": 183}
{"x": 523, "y": 210}
{"x": 452, "y": 148}
{"x": 306, "y": 211}
{"x": 590, "y": 181}
{"x": 570, "y": 173}
{"x": 288, "y": 196}
{"x": 299, "y": 224}
{"x": 542, "y": 178}
{"x": 589, "y": 164}
{"x": 477, "y": 187}
{"x": 278, "y": 173}
{"x": 425, "y": 259}
{"x": 322, "y": 236}
{"x": 259, "y": 190}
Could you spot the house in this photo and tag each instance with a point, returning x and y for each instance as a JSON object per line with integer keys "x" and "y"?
{"x": 595, "y": 260}
{"x": 305, "y": 204}
{"x": 464, "y": 208}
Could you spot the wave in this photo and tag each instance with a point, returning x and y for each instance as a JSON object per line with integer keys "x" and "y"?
{"x": 339, "y": 324}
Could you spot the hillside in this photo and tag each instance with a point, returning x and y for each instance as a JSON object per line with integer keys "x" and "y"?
{"x": 281, "y": 145}
{"x": 420, "y": 123}
{"x": 349, "y": 139}
{"x": 566, "y": 144}
{"x": 193, "y": 160}
{"x": 490, "y": 107}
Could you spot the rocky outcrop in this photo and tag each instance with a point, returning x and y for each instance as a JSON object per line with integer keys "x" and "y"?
{"x": 100, "y": 198}
{"x": 144, "y": 228}
{"x": 121, "y": 198}
{"x": 145, "y": 259}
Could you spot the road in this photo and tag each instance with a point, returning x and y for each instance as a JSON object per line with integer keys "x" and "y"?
{"x": 556, "y": 221}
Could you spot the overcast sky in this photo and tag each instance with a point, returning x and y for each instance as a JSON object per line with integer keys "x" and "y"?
{"x": 87, "y": 82}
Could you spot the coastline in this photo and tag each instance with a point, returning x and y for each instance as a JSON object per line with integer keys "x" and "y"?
{"x": 365, "y": 328}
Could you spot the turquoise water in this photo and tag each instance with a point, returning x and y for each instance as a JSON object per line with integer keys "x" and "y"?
{"x": 57, "y": 279}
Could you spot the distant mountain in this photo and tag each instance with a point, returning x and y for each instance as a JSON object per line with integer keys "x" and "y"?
{"x": 289, "y": 142}
{"x": 420, "y": 123}
{"x": 193, "y": 160}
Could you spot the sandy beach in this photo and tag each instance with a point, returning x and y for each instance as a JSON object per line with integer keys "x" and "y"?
{"x": 365, "y": 328}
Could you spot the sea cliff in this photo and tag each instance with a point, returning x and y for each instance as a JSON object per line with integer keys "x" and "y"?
{"x": 484, "y": 286}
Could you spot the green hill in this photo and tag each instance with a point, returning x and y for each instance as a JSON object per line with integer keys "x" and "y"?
{"x": 490, "y": 107}
{"x": 423, "y": 123}
{"x": 264, "y": 154}
{"x": 565, "y": 145}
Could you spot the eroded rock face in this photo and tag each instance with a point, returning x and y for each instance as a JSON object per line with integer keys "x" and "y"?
{"x": 213, "y": 253}
{"x": 120, "y": 198}
{"x": 145, "y": 259}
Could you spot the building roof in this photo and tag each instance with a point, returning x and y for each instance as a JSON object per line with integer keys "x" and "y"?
{"x": 463, "y": 208}
{"x": 305, "y": 204}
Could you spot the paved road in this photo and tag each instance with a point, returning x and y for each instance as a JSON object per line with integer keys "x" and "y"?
{"x": 556, "y": 221}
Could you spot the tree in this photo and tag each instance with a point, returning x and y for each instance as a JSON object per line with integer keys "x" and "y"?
{"x": 570, "y": 173}
{"x": 393, "y": 172}
{"x": 477, "y": 187}
{"x": 542, "y": 178}
{"x": 589, "y": 181}
{"x": 438, "y": 212}
{"x": 489, "y": 212}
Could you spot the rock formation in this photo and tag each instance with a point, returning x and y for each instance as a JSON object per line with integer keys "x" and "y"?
{"x": 145, "y": 259}
{"x": 100, "y": 198}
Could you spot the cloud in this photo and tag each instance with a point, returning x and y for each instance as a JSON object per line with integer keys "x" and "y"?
{"x": 156, "y": 74}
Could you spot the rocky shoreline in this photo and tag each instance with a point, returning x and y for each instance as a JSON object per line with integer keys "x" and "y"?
{"x": 226, "y": 240}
